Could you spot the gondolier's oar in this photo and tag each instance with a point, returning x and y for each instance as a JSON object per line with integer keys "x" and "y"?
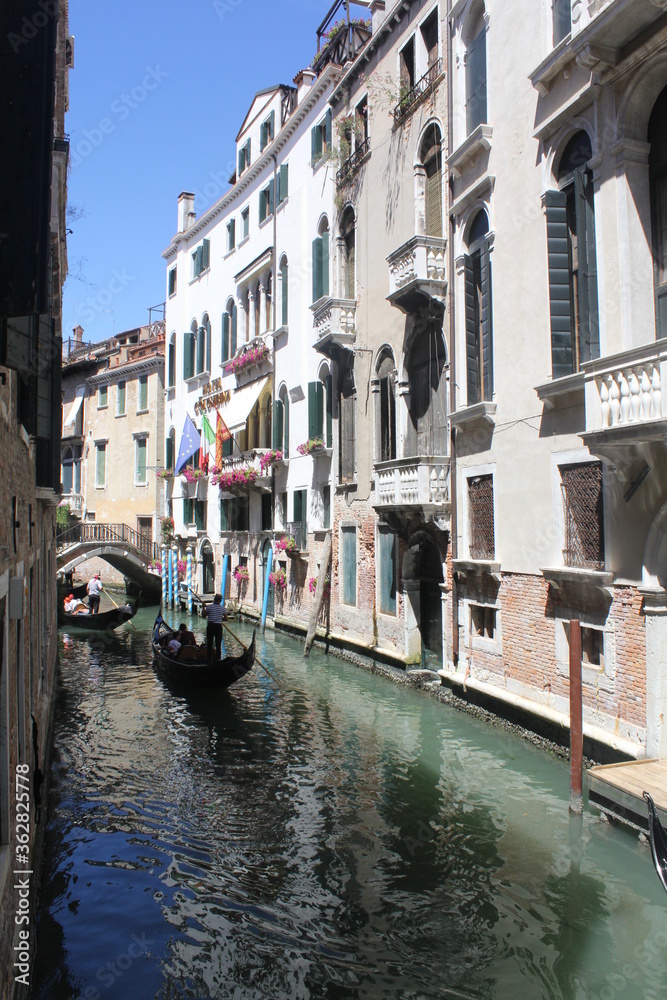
{"x": 116, "y": 606}
{"x": 262, "y": 665}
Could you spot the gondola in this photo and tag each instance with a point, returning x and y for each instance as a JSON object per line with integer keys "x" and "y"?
{"x": 199, "y": 673}
{"x": 100, "y": 622}
{"x": 658, "y": 837}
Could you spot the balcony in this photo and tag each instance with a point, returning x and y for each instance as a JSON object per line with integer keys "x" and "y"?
{"x": 624, "y": 401}
{"x": 349, "y": 167}
{"x": 603, "y": 37}
{"x": 412, "y": 97}
{"x": 248, "y": 460}
{"x": 334, "y": 322}
{"x": 417, "y": 270}
{"x": 251, "y": 359}
{"x": 413, "y": 484}
{"x": 74, "y": 501}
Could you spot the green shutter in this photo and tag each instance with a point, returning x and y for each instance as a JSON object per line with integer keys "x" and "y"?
{"x": 471, "y": 331}
{"x": 188, "y": 510}
{"x": 224, "y": 515}
{"x": 476, "y": 82}
{"x": 228, "y": 446}
{"x": 559, "y": 284}
{"x": 188, "y": 355}
{"x": 262, "y": 136}
{"x": 283, "y": 183}
{"x": 286, "y": 427}
{"x": 199, "y": 253}
{"x": 206, "y": 254}
{"x": 207, "y": 334}
{"x": 349, "y": 565}
{"x": 225, "y": 337}
{"x": 284, "y": 292}
{"x": 234, "y": 318}
{"x": 387, "y": 565}
{"x": 172, "y": 364}
{"x": 329, "y": 411}
{"x": 262, "y": 205}
{"x": 169, "y": 453}
{"x": 315, "y": 409}
{"x": 247, "y": 153}
{"x": 315, "y": 143}
{"x": 487, "y": 322}
{"x": 325, "y": 263}
{"x": 272, "y": 125}
{"x": 327, "y": 128}
{"x": 241, "y": 159}
{"x": 141, "y": 461}
{"x": 201, "y": 347}
{"x": 277, "y": 428}
{"x": 143, "y": 392}
{"x": 271, "y": 196}
{"x": 317, "y": 255}
{"x": 589, "y": 346}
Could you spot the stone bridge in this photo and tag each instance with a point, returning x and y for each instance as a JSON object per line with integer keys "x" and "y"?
{"x": 122, "y": 547}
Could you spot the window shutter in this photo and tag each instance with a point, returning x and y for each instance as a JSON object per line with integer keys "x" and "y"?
{"x": 224, "y": 515}
{"x": 327, "y": 128}
{"x": 206, "y": 254}
{"x": 471, "y": 331}
{"x": 169, "y": 453}
{"x": 284, "y": 291}
{"x": 225, "y": 337}
{"x": 271, "y": 196}
{"x": 559, "y": 284}
{"x": 283, "y": 186}
{"x": 141, "y": 461}
{"x": 346, "y": 443}
{"x": 329, "y": 411}
{"x": 207, "y": 335}
{"x": 201, "y": 337}
{"x": 172, "y": 364}
{"x": 434, "y": 196}
{"x": 232, "y": 234}
{"x": 228, "y": 446}
{"x": 315, "y": 409}
{"x": 272, "y": 125}
{"x": 350, "y": 267}
{"x": 241, "y": 160}
{"x": 188, "y": 355}
{"x": 234, "y": 330}
{"x": 562, "y": 20}
{"x": 286, "y": 427}
{"x": 247, "y": 153}
{"x": 589, "y": 347}
{"x": 262, "y": 136}
{"x": 317, "y": 267}
{"x": 198, "y": 261}
{"x": 325, "y": 263}
{"x": 277, "y": 429}
{"x": 476, "y": 82}
{"x": 262, "y": 205}
{"x": 487, "y": 323}
{"x": 315, "y": 143}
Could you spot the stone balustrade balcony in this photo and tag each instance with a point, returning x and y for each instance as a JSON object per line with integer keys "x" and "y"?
{"x": 624, "y": 397}
{"x": 249, "y": 459}
{"x": 417, "y": 268}
{"x": 334, "y": 323}
{"x": 404, "y": 484}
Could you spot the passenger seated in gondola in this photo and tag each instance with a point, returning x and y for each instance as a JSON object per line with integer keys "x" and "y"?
{"x": 186, "y": 637}
{"x": 73, "y": 606}
{"x": 173, "y": 647}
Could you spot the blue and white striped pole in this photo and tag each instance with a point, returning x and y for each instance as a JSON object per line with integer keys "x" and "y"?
{"x": 164, "y": 577}
{"x": 168, "y": 559}
{"x": 189, "y": 579}
{"x": 267, "y": 584}
{"x": 174, "y": 556}
{"x": 223, "y": 582}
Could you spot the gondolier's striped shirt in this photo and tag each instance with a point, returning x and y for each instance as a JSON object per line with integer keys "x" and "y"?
{"x": 215, "y": 613}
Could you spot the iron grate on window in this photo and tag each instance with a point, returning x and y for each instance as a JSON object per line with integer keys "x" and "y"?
{"x": 480, "y": 503}
{"x": 581, "y": 486}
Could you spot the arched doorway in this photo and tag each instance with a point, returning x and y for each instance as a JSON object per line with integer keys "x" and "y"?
{"x": 207, "y": 568}
{"x": 265, "y": 562}
{"x": 429, "y": 571}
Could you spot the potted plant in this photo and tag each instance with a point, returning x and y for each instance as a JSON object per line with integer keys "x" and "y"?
{"x": 253, "y": 356}
{"x": 243, "y": 477}
{"x": 286, "y": 544}
{"x": 268, "y": 459}
{"x": 312, "y": 445}
{"x": 279, "y": 579}
{"x": 241, "y": 574}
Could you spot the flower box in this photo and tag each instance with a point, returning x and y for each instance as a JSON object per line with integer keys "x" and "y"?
{"x": 268, "y": 459}
{"x": 251, "y": 357}
{"x": 243, "y": 476}
{"x": 286, "y": 544}
{"x": 279, "y": 579}
{"x": 312, "y": 446}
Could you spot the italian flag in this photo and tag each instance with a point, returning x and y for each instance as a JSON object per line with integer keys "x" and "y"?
{"x": 206, "y": 444}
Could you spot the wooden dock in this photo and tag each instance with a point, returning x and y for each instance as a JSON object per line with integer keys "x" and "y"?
{"x": 617, "y": 789}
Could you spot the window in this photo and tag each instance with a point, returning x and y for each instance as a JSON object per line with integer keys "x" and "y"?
{"x": 171, "y": 282}
{"x": 280, "y": 426}
{"x": 431, "y": 157}
{"x": 267, "y": 131}
{"x": 562, "y": 19}
{"x": 315, "y": 410}
{"x": 142, "y": 391}
{"x": 140, "y": 462}
{"x": 348, "y": 547}
{"x": 321, "y": 262}
{"x": 234, "y": 514}
{"x": 283, "y": 183}
{"x": 326, "y": 506}
{"x": 245, "y": 223}
{"x": 229, "y": 331}
{"x": 479, "y": 324}
{"x": 120, "y": 399}
{"x": 171, "y": 372}
{"x": 581, "y": 487}
{"x": 102, "y": 397}
{"x": 266, "y": 202}
{"x": 201, "y": 258}
{"x": 348, "y": 248}
{"x": 189, "y": 340}
{"x": 387, "y": 570}
{"x": 657, "y": 165}
{"x": 71, "y": 463}
{"x": 203, "y": 346}
{"x": 482, "y": 621}
{"x": 231, "y": 235}
{"x": 573, "y": 292}
{"x": 385, "y": 418}
{"x": 480, "y": 517}
{"x": 170, "y": 450}
{"x": 284, "y": 295}
{"x": 320, "y": 138}
{"x": 300, "y": 501}
{"x": 101, "y": 464}
{"x": 267, "y": 512}
{"x": 347, "y": 397}
{"x": 406, "y": 59}
{"x": 427, "y": 407}
{"x": 244, "y": 157}
{"x": 429, "y": 33}
{"x": 475, "y": 63}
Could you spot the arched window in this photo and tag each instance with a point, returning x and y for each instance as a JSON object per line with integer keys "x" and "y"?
{"x": 478, "y": 311}
{"x": 431, "y": 157}
{"x": 475, "y": 63}
{"x": 280, "y": 432}
{"x": 258, "y": 310}
{"x": 284, "y": 291}
{"x": 321, "y": 261}
{"x": 348, "y": 250}
{"x": 171, "y": 366}
{"x": 572, "y": 258}
{"x": 170, "y": 450}
{"x": 657, "y": 136}
{"x": 324, "y": 375}
{"x": 427, "y": 362}
{"x": 203, "y": 354}
{"x": 229, "y": 334}
{"x": 347, "y": 401}
{"x": 189, "y": 351}
{"x": 385, "y": 417}
{"x": 71, "y": 470}
{"x": 269, "y": 300}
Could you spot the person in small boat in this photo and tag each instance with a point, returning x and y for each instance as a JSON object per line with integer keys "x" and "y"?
{"x": 174, "y": 647}
{"x": 214, "y": 613}
{"x": 73, "y": 606}
{"x": 94, "y": 589}
{"x": 186, "y": 637}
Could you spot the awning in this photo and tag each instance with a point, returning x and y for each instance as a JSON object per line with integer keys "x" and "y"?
{"x": 235, "y": 413}
{"x": 76, "y": 406}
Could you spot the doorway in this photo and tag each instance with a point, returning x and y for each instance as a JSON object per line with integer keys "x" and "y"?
{"x": 208, "y": 568}
{"x": 430, "y": 605}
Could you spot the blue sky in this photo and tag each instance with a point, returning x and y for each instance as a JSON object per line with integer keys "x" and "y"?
{"x": 158, "y": 92}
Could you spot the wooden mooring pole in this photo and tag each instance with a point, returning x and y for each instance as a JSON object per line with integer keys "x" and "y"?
{"x": 576, "y": 719}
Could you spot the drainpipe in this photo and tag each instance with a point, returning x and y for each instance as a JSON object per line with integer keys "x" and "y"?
{"x": 452, "y": 356}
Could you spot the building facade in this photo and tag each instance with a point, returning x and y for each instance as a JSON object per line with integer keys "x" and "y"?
{"x": 33, "y": 266}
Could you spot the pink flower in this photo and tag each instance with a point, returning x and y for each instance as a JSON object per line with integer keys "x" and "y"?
{"x": 253, "y": 356}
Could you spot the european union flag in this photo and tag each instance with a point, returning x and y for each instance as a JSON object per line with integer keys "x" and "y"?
{"x": 189, "y": 443}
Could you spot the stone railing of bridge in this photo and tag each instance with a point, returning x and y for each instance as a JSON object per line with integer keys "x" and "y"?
{"x": 122, "y": 534}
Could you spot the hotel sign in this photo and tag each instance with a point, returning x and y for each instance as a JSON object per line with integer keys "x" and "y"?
{"x": 213, "y": 395}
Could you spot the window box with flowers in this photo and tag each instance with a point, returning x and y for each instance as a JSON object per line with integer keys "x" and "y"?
{"x": 165, "y": 473}
{"x": 278, "y": 578}
{"x": 313, "y": 446}
{"x": 253, "y": 356}
{"x": 287, "y": 544}
{"x": 268, "y": 459}
{"x": 242, "y": 478}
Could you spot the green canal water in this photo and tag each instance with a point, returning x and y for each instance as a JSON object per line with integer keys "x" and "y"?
{"x": 338, "y": 837}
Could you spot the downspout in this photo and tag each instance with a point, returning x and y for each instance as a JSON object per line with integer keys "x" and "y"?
{"x": 452, "y": 356}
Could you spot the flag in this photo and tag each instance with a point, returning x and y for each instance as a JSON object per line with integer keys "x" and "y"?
{"x": 222, "y": 434}
{"x": 189, "y": 445}
{"x": 206, "y": 444}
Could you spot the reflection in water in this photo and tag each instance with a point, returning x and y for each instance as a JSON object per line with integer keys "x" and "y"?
{"x": 339, "y": 837}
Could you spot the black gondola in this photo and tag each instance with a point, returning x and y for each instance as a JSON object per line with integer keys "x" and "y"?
{"x": 100, "y": 622}
{"x": 199, "y": 673}
{"x": 658, "y": 837}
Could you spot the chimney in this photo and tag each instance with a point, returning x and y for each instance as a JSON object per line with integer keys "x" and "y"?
{"x": 303, "y": 81}
{"x": 377, "y": 14}
{"x": 186, "y": 211}
{"x": 77, "y": 335}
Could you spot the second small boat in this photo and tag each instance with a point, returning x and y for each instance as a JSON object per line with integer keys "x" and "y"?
{"x": 199, "y": 672}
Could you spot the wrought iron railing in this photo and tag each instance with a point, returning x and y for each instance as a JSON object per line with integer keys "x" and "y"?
{"x": 95, "y": 531}
{"x": 420, "y": 88}
{"x": 350, "y": 165}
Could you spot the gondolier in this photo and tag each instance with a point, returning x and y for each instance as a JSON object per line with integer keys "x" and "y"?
{"x": 214, "y": 615}
{"x": 94, "y": 589}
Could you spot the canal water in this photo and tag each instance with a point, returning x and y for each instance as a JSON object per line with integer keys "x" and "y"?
{"x": 339, "y": 836}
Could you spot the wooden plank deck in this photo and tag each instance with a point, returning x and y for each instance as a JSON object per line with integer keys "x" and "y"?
{"x": 617, "y": 790}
